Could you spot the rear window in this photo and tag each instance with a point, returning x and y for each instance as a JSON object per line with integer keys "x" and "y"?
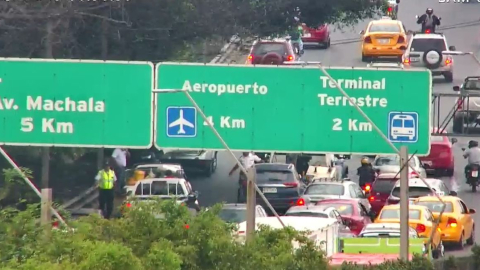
{"x": 425, "y": 44}
{"x": 233, "y": 215}
{"x": 437, "y": 138}
{"x": 382, "y": 27}
{"x": 264, "y": 48}
{"x": 381, "y": 234}
{"x": 342, "y": 208}
{"x": 395, "y": 214}
{"x": 274, "y": 176}
{"x": 160, "y": 188}
{"x": 413, "y": 192}
{"x": 472, "y": 84}
{"x": 384, "y": 185}
{"x": 307, "y": 214}
{"x": 391, "y": 161}
{"x": 325, "y": 189}
{"x": 437, "y": 206}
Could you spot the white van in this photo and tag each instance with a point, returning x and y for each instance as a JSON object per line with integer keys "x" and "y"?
{"x": 403, "y": 126}
{"x": 323, "y": 231}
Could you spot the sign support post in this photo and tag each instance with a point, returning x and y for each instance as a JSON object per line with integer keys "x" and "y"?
{"x": 251, "y": 203}
{"x": 404, "y": 232}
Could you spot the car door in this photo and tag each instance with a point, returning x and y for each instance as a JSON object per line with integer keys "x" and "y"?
{"x": 465, "y": 218}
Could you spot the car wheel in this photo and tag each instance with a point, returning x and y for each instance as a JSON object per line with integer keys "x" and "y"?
{"x": 449, "y": 172}
{"x": 458, "y": 124}
{"x": 448, "y": 76}
{"x": 461, "y": 243}
{"x": 214, "y": 162}
{"x": 326, "y": 45}
{"x": 471, "y": 239}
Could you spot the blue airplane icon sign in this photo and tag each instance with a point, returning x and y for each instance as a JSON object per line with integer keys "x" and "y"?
{"x": 181, "y": 122}
{"x": 403, "y": 127}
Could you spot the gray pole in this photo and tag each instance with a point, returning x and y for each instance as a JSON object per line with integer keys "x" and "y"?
{"x": 251, "y": 203}
{"x": 404, "y": 232}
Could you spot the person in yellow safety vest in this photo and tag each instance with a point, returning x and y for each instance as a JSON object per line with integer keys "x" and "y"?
{"x": 106, "y": 182}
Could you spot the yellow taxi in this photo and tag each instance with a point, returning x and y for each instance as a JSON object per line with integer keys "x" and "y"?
{"x": 384, "y": 38}
{"x": 421, "y": 219}
{"x": 457, "y": 224}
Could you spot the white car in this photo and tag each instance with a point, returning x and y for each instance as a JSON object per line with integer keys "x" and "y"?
{"x": 391, "y": 164}
{"x": 417, "y": 188}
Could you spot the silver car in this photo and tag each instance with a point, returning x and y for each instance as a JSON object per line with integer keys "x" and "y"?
{"x": 385, "y": 229}
{"x": 430, "y": 51}
{"x": 468, "y": 105}
{"x": 391, "y": 164}
{"x": 237, "y": 212}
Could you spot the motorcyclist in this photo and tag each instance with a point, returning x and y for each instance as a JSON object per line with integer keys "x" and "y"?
{"x": 472, "y": 154}
{"x": 393, "y": 4}
{"x": 428, "y": 20}
{"x": 296, "y": 35}
{"x": 365, "y": 172}
{"x": 341, "y": 167}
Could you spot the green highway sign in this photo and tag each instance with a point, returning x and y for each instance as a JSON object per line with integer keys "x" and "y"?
{"x": 293, "y": 108}
{"x": 76, "y": 103}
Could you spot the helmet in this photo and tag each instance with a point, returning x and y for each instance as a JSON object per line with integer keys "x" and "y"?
{"x": 365, "y": 161}
{"x": 429, "y": 11}
{"x": 472, "y": 144}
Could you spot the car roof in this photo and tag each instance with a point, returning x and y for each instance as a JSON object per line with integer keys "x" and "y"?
{"x": 298, "y": 223}
{"x": 150, "y": 180}
{"x": 342, "y": 183}
{"x": 272, "y": 41}
{"x": 410, "y": 207}
{"x": 160, "y": 166}
{"x": 373, "y": 226}
{"x": 309, "y": 208}
{"x": 349, "y": 201}
{"x": 275, "y": 166}
{"x": 386, "y": 21}
{"x": 417, "y": 182}
{"x": 428, "y": 36}
{"x": 435, "y": 199}
{"x": 391, "y": 156}
{"x": 234, "y": 206}
{"x": 382, "y": 176}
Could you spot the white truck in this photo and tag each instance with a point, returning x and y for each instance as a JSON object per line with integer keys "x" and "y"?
{"x": 323, "y": 231}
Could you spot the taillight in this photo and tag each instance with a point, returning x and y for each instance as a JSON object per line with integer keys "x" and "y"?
{"x": 459, "y": 103}
{"x": 427, "y": 31}
{"x": 401, "y": 39}
{"x": 451, "y": 222}
{"x": 128, "y": 205}
{"x": 292, "y": 184}
{"x": 290, "y": 58}
{"x": 448, "y": 61}
{"x": 406, "y": 60}
{"x": 367, "y": 188}
{"x": 420, "y": 228}
{"x": 241, "y": 232}
{"x": 414, "y": 175}
{"x": 367, "y": 40}
{"x": 301, "y": 202}
{"x": 55, "y": 224}
{"x": 371, "y": 198}
{"x": 250, "y": 58}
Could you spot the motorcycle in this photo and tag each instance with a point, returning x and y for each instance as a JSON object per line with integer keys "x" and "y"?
{"x": 430, "y": 29}
{"x": 473, "y": 178}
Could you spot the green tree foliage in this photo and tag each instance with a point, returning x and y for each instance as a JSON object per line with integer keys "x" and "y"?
{"x": 140, "y": 240}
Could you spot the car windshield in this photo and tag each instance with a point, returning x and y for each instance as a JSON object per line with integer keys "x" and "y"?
{"x": 413, "y": 192}
{"x": 384, "y": 185}
{"x": 472, "y": 84}
{"x": 233, "y": 215}
{"x": 437, "y": 206}
{"x": 426, "y": 44}
{"x": 325, "y": 189}
{"x": 395, "y": 214}
{"x": 264, "y": 48}
{"x": 307, "y": 214}
{"x": 342, "y": 208}
{"x": 384, "y": 27}
{"x": 391, "y": 161}
{"x": 274, "y": 176}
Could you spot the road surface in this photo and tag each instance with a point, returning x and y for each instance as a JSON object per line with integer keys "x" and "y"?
{"x": 220, "y": 187}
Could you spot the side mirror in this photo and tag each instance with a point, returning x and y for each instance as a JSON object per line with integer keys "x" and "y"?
{"x": 472, "y": 211}
{"x": 453, "y": 193}
{"x": 456, "y": 88}
{"x": 454, "y": 140}
{"x": 452, "y": 48}
{"x": 362, "y": 32}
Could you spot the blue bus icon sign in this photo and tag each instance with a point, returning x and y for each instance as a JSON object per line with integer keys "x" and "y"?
{"x": 403, "y": 127}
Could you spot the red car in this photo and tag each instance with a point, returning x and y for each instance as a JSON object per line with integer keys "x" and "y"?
{"x": 320, "y": 35}
{"x": 440, "y": 160}
{"x": 270, "y": 52}
{"x": 351, "y": 211}
{"x": 381, "y": 189}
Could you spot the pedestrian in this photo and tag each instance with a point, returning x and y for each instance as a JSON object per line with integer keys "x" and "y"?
{"x": 119, "y": 156}
{"x": 106, "y": 182}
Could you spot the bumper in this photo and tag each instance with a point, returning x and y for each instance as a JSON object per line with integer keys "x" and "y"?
{"x": 279, "y": 204}
{"x": 380, "y": 51}
{"x": 320, "y": 39}
{"x": 438, "y": 164}
{"x": 191, "y": 165}
{"x": 451, "y": 236}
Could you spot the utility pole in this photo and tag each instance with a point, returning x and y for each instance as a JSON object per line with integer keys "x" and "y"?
{"x": 251, "y": 203}
{"x": 404, "y": 203}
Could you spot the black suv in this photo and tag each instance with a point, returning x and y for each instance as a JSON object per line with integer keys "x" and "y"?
{"x": 280, "y": 184}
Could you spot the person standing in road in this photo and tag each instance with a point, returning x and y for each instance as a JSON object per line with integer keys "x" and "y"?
{"x": 247, "y": 160}
{"x": 120, "y": 155}
{"x": 106, "y": 182}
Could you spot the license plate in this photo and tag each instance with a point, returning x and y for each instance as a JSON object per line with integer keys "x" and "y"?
{"x": 474, "y": 173}
{"x": 414, "y": 59}
{"x": 307, "y": 35}
{"x": 384, "y": 41}
{"x": 269, "y": 190}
